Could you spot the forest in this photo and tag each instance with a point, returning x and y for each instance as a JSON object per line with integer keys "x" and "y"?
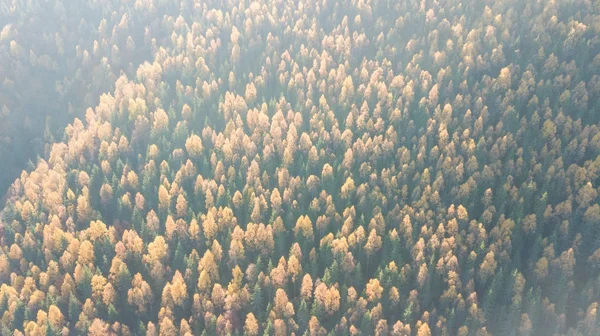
{"x": 300, "y": 167}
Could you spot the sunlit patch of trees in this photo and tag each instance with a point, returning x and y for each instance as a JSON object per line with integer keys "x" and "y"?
{"x": 310, "y": 168}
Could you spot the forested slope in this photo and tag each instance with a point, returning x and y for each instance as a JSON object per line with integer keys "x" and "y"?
{"x": 57, "y": 59}
{"x": 320, "y": 168}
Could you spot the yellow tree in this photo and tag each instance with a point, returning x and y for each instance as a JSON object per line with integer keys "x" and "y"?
{"x": 372, "y": 246}
{"x": 307, "y": 287}
{"x": 208, "y": 264}
{"x": 193, "y": 145}
{"x": 99, "y": 328}
{"x": 84, "y": 208}
{"x": 175, "y": 292}
{"x": 332, "y": 301}
{"x": 251, "y": 325}
{"x": 139, "y": 295}
{"x": 164, "y": 199}
{"x": 55, "y": 318}
{"x": 181, "y": 206}
{"x": 374, "y": 290}
{"x": 304, "y": 228}
{"x": 209, "y": 227}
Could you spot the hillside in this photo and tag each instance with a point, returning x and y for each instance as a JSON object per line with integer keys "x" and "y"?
{"x": 359, "y": 167}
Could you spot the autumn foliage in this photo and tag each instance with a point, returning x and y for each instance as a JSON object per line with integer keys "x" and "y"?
{"x": 307, "y": 168}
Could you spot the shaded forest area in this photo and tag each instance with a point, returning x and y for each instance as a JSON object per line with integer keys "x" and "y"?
{"x": 358, "y": 167}
{"x": 56, "y": 61}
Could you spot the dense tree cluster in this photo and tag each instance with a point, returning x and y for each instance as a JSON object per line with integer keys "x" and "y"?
{"x": 314, "y": 168}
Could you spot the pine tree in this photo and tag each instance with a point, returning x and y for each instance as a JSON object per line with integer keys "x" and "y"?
{"x": 18, "y": 316}
{"x": 113, "y": 314}
{"x": 84, "y": 288}
{"x": 303, "y": 316}
{"x": 256, "y": 300}
{"x": 74, "y": 308}
{"x": 268, "y": 329}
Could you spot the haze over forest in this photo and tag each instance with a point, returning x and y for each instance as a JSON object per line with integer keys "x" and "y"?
{"x": 307, "y": 167}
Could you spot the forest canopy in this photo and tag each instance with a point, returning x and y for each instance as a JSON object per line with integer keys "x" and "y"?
{"x": 278, "y": 167}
